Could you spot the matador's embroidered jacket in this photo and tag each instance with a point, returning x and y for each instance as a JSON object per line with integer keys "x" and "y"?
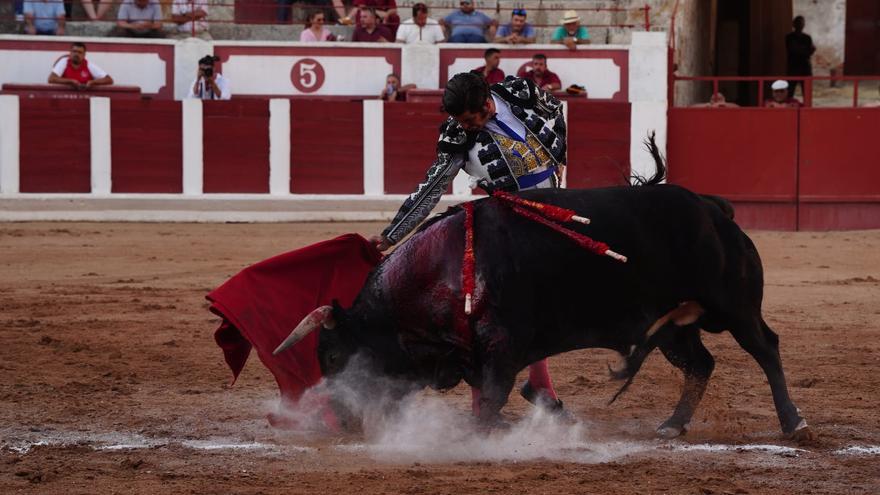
{"x": 497, "y": 161}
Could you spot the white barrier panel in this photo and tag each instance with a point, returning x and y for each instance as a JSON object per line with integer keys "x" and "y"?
{"x": 309, "y": 69}
{"x": 148, "y": 64}
{"x": 279, "y": 147}
{"x": 99, "y": 119}
{"x": 9, "y": 144}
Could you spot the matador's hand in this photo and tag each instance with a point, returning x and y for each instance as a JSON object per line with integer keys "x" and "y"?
{"x": 380, "y": 242}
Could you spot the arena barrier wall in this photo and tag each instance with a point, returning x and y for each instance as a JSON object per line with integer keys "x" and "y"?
{"x": 165, "y": 69}
{"x": 278, "y": 147}
{"x": 784, "y": 169}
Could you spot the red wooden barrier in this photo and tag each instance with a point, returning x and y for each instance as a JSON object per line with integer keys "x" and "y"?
{"x": 236, "y": 146}
{"x": 411, "y": 131}
{"x": 146, "y": 146}
{"x": 55, "y": 137}
{"x": 839, "y": 185}
{"x": 326, "y": 147}
{"x": 748, "y": 155}
{"x": 598, "y": 144}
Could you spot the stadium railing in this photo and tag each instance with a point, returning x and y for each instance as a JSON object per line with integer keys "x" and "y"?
{"x": 763, "y": 82}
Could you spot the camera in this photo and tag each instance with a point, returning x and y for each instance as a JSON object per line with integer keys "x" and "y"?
{"x": 208, "y": 71}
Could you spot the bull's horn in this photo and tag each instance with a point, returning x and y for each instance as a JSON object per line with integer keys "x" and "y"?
{"x": 321, "y": 316}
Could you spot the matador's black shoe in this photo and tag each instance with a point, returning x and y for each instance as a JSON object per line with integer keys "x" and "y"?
{"x": 540, "y": 399}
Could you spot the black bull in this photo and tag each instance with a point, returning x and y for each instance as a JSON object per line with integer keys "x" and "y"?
{"x": 538, "y": 294}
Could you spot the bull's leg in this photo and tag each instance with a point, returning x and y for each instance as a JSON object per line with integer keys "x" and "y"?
{"x": 763, "y": 344}
{"x": 497, "y": 382}
{"x": 686, "y": 352}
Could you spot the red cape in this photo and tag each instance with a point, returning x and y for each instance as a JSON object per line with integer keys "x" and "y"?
{"x": 263, "y": 303}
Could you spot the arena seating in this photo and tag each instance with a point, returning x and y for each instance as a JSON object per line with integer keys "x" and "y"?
{"x": 607, "y": 25}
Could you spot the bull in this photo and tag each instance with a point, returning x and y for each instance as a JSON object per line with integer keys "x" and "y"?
{"x": 691, "y": 269}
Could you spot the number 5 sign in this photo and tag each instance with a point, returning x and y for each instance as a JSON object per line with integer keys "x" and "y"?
{"x": 307, "y": 75}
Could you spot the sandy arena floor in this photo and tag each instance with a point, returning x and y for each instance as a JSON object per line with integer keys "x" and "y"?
{"x": 113, "y": 384}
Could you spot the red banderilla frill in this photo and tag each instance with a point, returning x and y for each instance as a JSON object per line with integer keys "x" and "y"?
{"x": 468, "y": 276}
{"x": 552, "y": 212}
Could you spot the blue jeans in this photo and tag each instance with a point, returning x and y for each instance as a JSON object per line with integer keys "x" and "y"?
{"x": 467, "y": 38}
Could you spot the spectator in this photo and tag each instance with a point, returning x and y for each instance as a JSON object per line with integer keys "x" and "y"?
{"x": 44, "y": 17}
{"x": 541, "y": 75}
{"x": 798, "y": 48}
{"x": 188, "y": 14}
{"x": 518, "y": 31}
{"x": 420, "y": 29}
{"x": 139, "y": 19}
{"x": 717, "y": 100}
{"x": 780, "y": 97}
{"x": 571, "y": 33}
{"x": 89, "y": 8}
{"x": 209, "y": 85}
{"x": 75, "y": 71}
{"x": 466, "y": 25}
{"x": 18, "y": 7}
{"x": 370, "y": 30}
{"x": 490, "y": 72}
{"x": 315, "y": 30}
{"x": 393, "y": 90}
{"x": 385, "y": 11}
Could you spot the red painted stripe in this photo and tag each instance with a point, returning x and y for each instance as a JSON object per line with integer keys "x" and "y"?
{"x": 146, "y": 146}
{"x": 236, "y": 140}
{"x": 326, "y": 147}
{"x": 598, "y": 144}
{"x": 411, "y": 131}
{"x": 736, "y": 152}
{"x": 55, "y": 146}
{"x": 838, "y": 162}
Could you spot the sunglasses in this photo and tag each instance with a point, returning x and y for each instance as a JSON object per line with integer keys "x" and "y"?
{"x": 519, "y": 12}
{"x": 465, "y": 3}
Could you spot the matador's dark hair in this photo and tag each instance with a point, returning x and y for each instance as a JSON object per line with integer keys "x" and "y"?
{"x": 465, "y": 92}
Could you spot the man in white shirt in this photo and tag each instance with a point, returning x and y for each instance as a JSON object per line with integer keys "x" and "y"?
{"x": 420, "y": 29}
{"x": 209, "y": 85}
{"x": 186, "y": 13}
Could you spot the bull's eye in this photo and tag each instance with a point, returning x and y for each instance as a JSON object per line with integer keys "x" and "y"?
{"x": 332, "y": 357}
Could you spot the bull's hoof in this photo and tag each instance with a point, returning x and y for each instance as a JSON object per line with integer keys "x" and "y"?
{"x": 670, "y": 431}
{"x": 803, "y": 434}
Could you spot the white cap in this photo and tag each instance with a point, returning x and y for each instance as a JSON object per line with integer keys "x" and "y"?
{"x": 779, "y": 84}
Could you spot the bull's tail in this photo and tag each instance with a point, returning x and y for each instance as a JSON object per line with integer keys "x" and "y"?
{"x": 659, "y": 164}
{"x": 633, "y": 361}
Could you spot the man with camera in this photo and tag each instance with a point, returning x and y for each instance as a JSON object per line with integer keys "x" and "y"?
{"x": 209, "y": 85}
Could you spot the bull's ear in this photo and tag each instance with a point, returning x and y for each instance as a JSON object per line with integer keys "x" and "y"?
{"x": 314, "y": 320}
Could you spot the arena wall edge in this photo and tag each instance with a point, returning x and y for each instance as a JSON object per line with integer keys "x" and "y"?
{"x": 9, "y": 144}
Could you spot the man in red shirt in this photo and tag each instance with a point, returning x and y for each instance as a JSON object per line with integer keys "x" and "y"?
{"x": 75, "y": 71}
{"x": 370, "y": 30}
{"x": 490, "y": 72}
{"x": 541, "y": 75}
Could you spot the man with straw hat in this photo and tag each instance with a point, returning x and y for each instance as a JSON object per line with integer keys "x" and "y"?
{"x": 571, "y": 33}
